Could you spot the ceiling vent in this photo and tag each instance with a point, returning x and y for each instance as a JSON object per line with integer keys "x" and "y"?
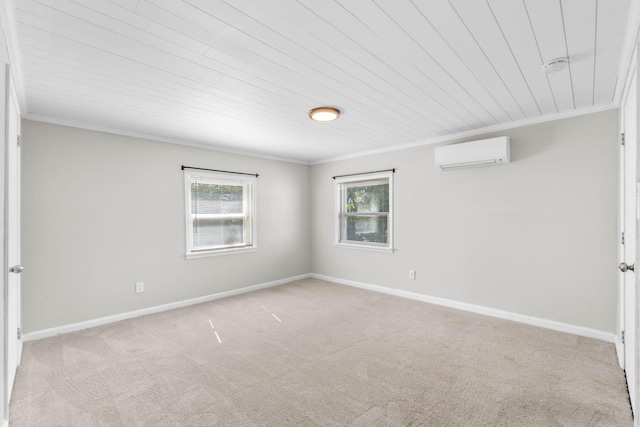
{"x": 476, "y": 153}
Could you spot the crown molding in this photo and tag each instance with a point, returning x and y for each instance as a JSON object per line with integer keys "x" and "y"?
{"x": 8, "y": 17}
{"x": 628, "y": 52}
{"x": 187, "y": 142}
{"x": 475, "y": 132}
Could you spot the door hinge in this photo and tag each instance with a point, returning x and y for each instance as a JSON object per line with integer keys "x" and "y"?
{"x": 19, "y": 333}
{"x": 18, "y": 139}
{"x": 622, "y": 336}
{"x": 622, "y": 138}
{"x": 623, "y": 237}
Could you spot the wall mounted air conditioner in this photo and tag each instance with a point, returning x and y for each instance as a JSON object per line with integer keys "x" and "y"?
{"x": 474, "y": 153}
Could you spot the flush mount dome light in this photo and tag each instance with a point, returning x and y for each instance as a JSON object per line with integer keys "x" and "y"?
{"x": 555, "y": 65}
{"x": 324, "y": 114}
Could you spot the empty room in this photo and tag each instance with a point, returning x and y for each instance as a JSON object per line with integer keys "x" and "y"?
{"x": 320, "y": 213}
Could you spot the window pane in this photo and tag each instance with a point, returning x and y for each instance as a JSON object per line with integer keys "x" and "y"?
{"x": 220, "y": 213}
{"x": 217, "y": 232}
{"x": 367, "y": 229}
{"x": 210, "y": 198}
{"x": 365, "y": 218}
{"x": 367, "y": 198}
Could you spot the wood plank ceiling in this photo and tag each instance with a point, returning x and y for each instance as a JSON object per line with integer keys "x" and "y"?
{"x": 243, "y": 74}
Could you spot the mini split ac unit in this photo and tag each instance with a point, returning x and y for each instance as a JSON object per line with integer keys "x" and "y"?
{"x": 474, "y": 153}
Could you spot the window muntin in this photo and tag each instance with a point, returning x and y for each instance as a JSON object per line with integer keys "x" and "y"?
{"x": 220, "y": 213}
{"x": 365, "y": 211}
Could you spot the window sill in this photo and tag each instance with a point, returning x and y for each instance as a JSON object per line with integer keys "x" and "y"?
{"x": 219, "y": 252}
{"x": 364, "y": 247}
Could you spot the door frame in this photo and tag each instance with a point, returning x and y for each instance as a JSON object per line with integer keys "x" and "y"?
{"x": 633, "y": 71}
{"x": 12, "y": 340}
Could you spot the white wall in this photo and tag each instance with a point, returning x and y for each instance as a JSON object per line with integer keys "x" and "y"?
{"x": 101, "y": 212}
{"x": 535, "y": 237}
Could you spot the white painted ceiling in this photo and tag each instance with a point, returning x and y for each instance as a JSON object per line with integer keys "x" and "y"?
{"x": 243, "y": 74}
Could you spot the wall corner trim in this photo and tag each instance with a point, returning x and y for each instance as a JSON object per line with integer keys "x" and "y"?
{"x": 64, "y": 329}
{"x": 487, "y": 311}
{"x": 619, "y": 351}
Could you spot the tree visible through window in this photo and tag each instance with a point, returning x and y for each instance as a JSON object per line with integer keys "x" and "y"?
{"x": 364, "y": 211}
{"x": 367, "y": 212}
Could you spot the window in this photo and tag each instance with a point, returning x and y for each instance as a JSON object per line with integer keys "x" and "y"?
{"x": 365, "y": 207}
{"x": 220, "y": 211}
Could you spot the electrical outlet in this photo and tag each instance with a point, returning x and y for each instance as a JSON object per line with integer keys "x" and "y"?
{"x": 139, "y": 287}
{"x": 412, "y": 274}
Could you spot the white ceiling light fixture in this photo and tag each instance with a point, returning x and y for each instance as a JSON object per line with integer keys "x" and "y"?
{"x": 324, "y": 114}
{"x": 555, "y": 65}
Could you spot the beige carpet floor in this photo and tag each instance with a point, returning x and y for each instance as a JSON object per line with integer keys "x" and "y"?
{"x": 312, "y": 353}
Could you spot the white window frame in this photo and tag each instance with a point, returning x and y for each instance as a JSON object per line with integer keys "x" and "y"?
{"x": 249, "y": 209}
{"x": 340, "y": 219}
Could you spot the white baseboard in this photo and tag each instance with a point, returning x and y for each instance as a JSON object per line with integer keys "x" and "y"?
{"x": 530, "y": 320}
{"x": 44, "y": 333}
{"x": 521, "y": 318}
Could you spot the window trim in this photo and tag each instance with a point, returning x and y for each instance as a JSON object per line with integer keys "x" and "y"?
{"x": 338, "y": 215}
{"x": 251, "y": 181}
